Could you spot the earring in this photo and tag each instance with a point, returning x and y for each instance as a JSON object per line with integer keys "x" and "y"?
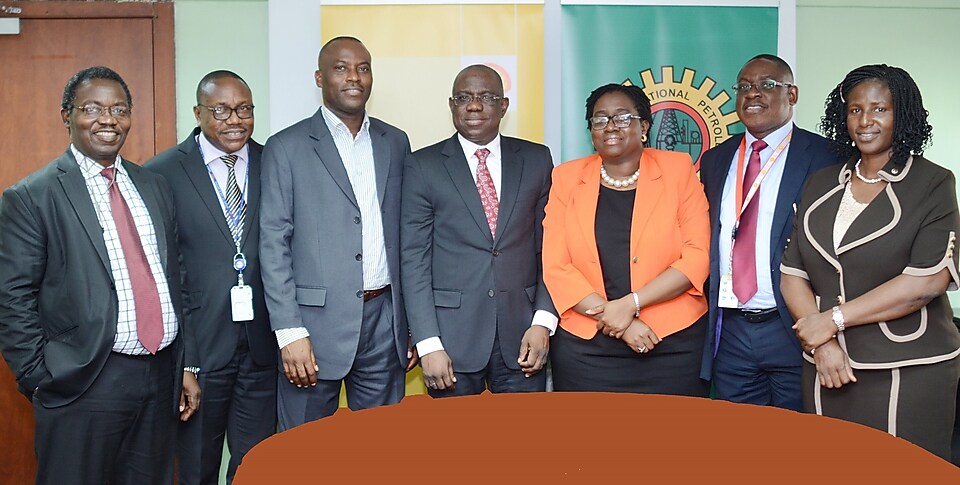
{"x": 643, "y": 138}
{"x": 853, "y": 143}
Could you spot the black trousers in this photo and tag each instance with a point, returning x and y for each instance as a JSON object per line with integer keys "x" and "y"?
{"x": 120, "y": 431}
{"x": 496, "y": 377}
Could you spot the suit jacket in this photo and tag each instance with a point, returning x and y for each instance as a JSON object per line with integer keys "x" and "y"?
{"x": 459, "y": 282}
{"x": 58, "y": 302}
{"x": 310, "y": 242}
{"x": 808, "y": 153}
{"x": 206, "y": 251}
{"x": 669, "y": 229}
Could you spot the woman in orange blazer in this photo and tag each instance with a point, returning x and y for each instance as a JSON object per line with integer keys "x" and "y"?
{"x": 625, "y": 255}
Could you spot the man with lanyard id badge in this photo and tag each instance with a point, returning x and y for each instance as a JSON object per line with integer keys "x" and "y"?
{"x": 215, "y": 176}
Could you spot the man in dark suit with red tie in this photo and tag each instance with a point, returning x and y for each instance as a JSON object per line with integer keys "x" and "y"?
{"x": 90, "y": 314}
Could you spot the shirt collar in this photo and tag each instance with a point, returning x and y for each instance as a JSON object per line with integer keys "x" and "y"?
{"x": 211, "y": 153}
{"x": 775, "y": 138}
{"x": 470, "y": 148}
{"x": 334, "y": 123}
{"x": 90, "y": 168}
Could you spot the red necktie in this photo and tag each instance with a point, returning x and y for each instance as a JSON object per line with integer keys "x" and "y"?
{"x": 488, "y": 192}
{"x": 745, "y": 245}
{"x": 145, "y": 296}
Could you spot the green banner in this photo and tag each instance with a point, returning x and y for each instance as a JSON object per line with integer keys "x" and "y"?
{"x": 684, "y": 58}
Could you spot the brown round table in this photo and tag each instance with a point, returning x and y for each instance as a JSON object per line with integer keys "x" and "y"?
{"x": 586, "y": 438}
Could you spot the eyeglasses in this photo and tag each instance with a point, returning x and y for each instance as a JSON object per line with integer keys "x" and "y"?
{"x": 96, "y": 111}
{"x": 765, "y": 85}
{"x": 620, "y": 121}
{"x": 222, "y": 113}
{"x": 465, "y": 99}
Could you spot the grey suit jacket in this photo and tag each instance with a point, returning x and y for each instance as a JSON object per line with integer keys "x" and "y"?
{"x": 207, "y": 249}
{"x": 58, "y": 302}
{"x": 460, "y": 283}
{"x": 311, "y": 238}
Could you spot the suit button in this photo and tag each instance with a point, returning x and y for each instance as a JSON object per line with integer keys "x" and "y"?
{"x": 635, "y": 259}
{"x": 359, "y": 293}
{"x": 491, "y": 293}
{"x": 496, "y": 252}
{"x": 359, "y": 257}
{"x": 356, "y": 219}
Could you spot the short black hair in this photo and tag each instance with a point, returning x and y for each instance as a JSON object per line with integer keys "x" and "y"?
{"x": 780, "y": 63}
{"x": 214, "y": 76}
{"x": 911, "y": 131}
{"x": 336, "y": 39}
{"x": 89, "y": 74}
{"x": 639, "y": 98}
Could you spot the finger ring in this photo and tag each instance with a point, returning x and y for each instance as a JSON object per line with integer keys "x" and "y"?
{"x": 642, "y": 348}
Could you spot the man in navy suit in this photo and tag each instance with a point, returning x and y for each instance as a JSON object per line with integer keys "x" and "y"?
{"x": 751, "y": 351}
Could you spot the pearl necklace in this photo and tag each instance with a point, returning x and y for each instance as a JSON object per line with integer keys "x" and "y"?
{"x": 619, "y": 183}
{"x": 864, "y": 179}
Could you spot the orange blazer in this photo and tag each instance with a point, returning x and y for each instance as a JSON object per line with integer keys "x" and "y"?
{"x": 670, "y": 228}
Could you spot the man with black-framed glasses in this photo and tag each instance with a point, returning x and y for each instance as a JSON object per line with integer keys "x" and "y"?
{"x": 215, "y": 176}
{"x": 752, "y": 182}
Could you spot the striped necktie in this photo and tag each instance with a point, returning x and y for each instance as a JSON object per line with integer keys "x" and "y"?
{"x": 236, "y": 208}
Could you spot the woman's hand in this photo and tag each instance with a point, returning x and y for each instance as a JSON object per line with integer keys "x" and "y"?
{"x": 616, "y": 316}
{"x": 639, "y": 337}
{"x": 815, "y": 330}
{"x": 833, "y": 365}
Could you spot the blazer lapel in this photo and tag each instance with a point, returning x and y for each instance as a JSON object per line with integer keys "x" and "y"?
{"x": 797, "y": 164}
{"x": 75, "y": 189}
{"x": 198, "y": 175}
{"x": 253, "y": 191}
{"x": 326, "y": 149}
{"x": 510, "y": 179}
{"x": 381, "y": 158}
{"x": 583, "y": 201}
{"x": 647, "y": 197}
{"x": 149, "y": 196}
{"x": 459, "y": 171}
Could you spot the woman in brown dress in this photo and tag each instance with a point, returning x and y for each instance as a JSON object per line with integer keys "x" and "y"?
{"x": 871, "y": 257}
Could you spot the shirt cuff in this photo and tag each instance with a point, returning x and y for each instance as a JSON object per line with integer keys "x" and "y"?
{"x": 287, "y": 336}
{"x": 545, "y": 319}
{"x": 428, "y": 346}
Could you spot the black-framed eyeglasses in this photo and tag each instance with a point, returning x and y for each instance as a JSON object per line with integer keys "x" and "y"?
{"x": 765, "y": 85}
{"x": 222, "y": 113}
{"x": 465, "y": 99}
{"x": 620, "y": 121}
{"x": 96, "y": 111}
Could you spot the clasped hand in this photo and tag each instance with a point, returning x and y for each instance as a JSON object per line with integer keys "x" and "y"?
{"x": 614, "y": 317}
{"x": 815, "y": 330}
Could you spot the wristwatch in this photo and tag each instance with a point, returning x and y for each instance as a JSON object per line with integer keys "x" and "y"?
{"x": 195, "y": 370}
{"x": 837, "y": 316}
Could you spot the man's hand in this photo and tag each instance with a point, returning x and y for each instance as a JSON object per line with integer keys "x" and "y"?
{"x": 299, "y": 363}
{"x": 617, "y": 316}
{"x": 815, "y": 330}
{"x": 189, "y": 396}
{"x": 639, "y": 337}
{"x": 438, "y": 371}
{"x": 412, "y": 357}
{"x": 833, "y": 365}
{"x": 534, "y": 348}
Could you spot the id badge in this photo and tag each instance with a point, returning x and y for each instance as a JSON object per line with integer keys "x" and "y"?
{"x": 241, "y": 303}
{"x": 726, "y": 298}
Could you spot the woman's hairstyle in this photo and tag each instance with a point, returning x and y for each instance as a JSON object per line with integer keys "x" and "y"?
{"x": 639, "y": 98}
{"x": 911, "y": 132}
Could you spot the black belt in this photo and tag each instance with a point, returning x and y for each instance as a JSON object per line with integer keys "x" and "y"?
{"x": 752, "y": 316}
{"x": 371, "y": 294}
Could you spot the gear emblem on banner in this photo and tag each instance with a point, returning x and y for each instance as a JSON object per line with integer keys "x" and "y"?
{"x": 685, "y": 117}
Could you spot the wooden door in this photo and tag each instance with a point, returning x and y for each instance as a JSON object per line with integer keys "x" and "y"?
{"x": 56, "y": 40}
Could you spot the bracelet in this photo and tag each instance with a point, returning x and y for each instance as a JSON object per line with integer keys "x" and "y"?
{"x": 636, "y": 301}
{"x": 837, "y": 316}
{"x": 195, "y": 370}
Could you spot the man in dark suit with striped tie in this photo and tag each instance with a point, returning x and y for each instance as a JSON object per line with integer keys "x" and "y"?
{"x": 215, "y": 175}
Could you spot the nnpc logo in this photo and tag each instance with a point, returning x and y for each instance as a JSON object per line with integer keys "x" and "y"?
{"x": 686, "y": 118}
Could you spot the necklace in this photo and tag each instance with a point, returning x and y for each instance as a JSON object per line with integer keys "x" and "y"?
{"x": 864, "y": 179}
{"x": 619, "y": 183}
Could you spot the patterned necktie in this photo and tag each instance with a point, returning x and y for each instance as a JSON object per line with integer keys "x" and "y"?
{"x": 745, "y": 245}
{"x": 146, "y": 298}
{"x": 488, "y": 192}
{"x": 236, "y": 208}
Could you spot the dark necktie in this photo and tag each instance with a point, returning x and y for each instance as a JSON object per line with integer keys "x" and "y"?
{"x": 146, "y": 298}
{"x": 745, "y": 245}
{"x": 488, "y": 192}
{"x": 236, "y": 208}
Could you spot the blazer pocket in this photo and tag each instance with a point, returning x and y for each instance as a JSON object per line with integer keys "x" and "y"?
{"x": 531, "y": 293}
{"x": 446, "y": 298}
{"x": 311, "y": 296}
{"x": 65, "y": 334}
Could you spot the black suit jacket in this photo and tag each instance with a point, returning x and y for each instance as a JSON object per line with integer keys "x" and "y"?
{"x": 808, "y": 153}
{"x": 206, "y": 251}
{"x": 459, "y": 282}
{"x": 58, "y": 302}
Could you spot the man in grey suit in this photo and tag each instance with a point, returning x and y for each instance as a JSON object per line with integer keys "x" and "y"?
{"x": 470, "y": 240}
{"x": 329, "y": 247}
{"x": 215, "y": 177}
{"x": 90, "y": 300}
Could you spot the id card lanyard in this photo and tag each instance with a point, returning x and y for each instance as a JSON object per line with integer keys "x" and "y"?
{"x": 233, "y": 218}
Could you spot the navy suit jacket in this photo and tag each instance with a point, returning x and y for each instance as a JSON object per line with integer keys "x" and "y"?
{"x": 808, "y": 153}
